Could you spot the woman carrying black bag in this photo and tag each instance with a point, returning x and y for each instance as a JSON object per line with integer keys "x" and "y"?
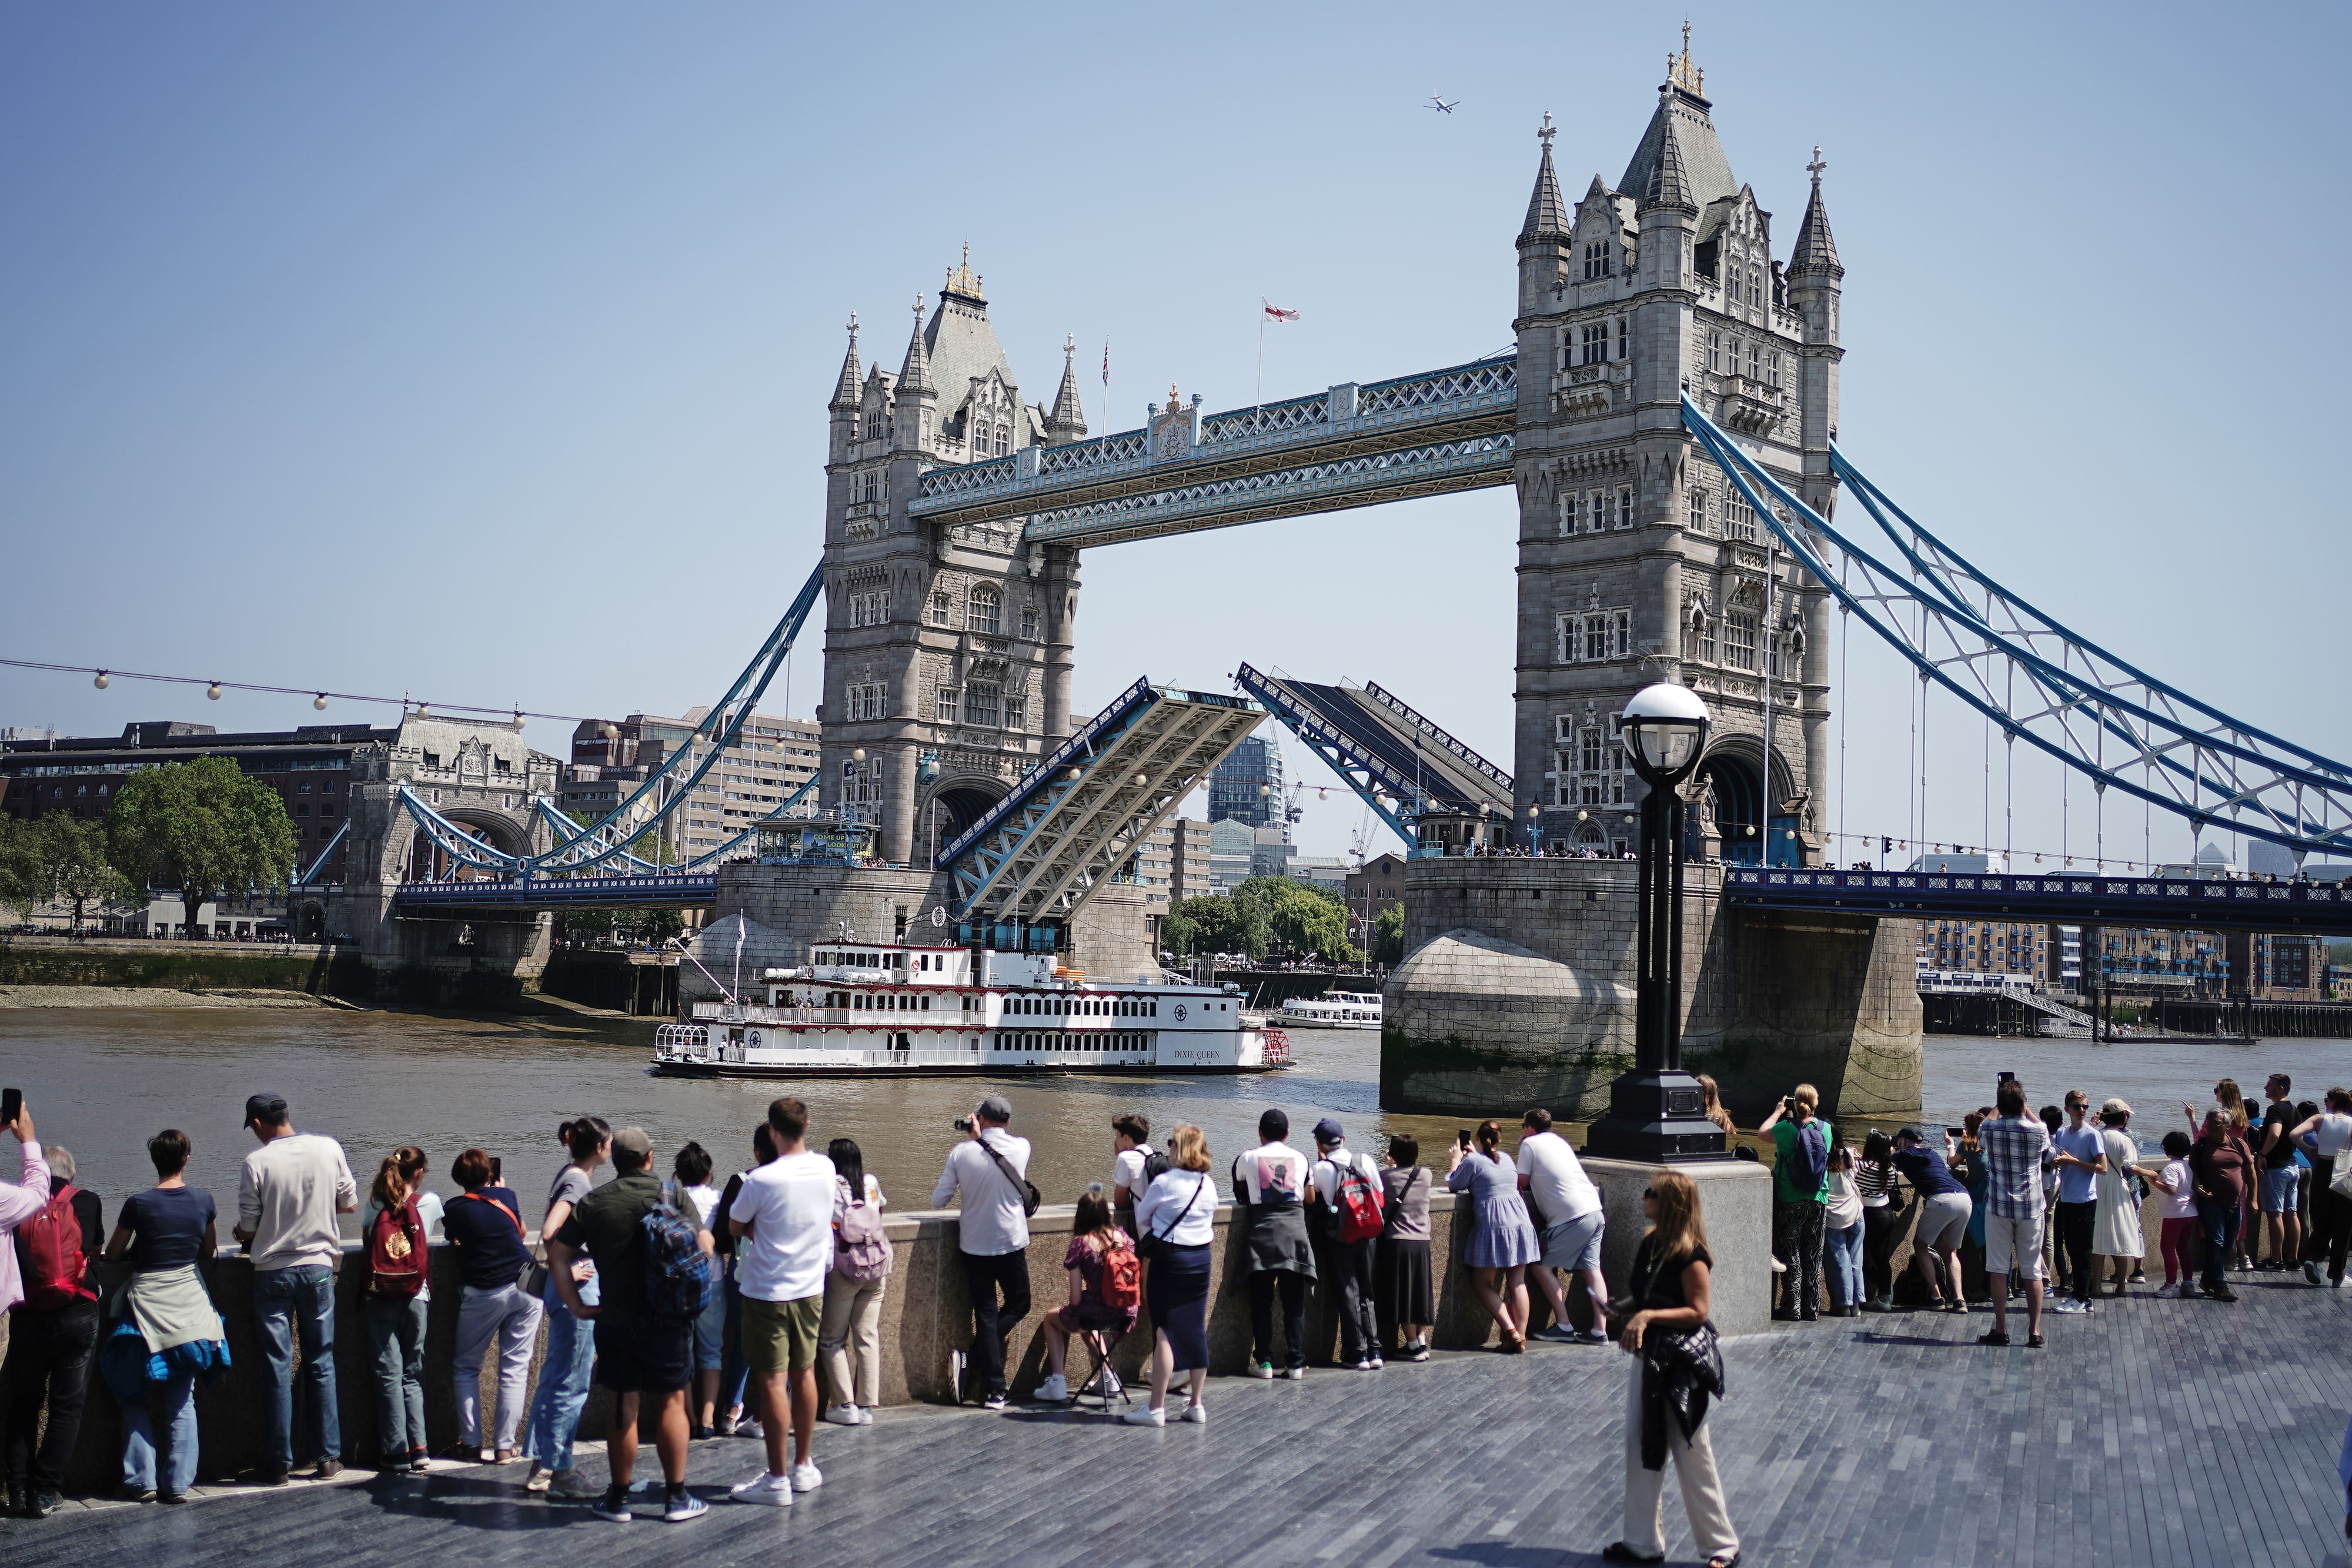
{"x": 1176, "y": 1215}
{"x": 1676, "y": 1371}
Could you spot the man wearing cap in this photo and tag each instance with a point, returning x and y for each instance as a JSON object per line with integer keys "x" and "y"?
{"x": 640, "y": 1354}
{"x": 1944, "y": 1211}
{"x": 288, "y": 1194}
{"x": 988, "y": 1174}
{"x": 1350, "y": 1262}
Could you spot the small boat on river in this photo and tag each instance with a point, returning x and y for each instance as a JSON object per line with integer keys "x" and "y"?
{"x": 1332, "y": 1009}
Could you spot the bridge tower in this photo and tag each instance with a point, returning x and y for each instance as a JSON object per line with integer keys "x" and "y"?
{"x": 1638, "y": 561}
{"x": 948, "y": 650}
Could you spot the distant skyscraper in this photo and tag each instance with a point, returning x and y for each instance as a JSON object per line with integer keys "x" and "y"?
{"x": 1246, "y": 787}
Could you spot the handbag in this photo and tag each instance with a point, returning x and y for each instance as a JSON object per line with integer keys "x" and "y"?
{"x": 1030, "y": 1198}
{"x": 1155, "y": 1243}
{"x": 533, "y": 1280}
{"x": 2340, "y": 1180}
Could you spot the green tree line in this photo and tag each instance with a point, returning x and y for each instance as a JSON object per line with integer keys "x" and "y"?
{"x": 1265, "y": 914}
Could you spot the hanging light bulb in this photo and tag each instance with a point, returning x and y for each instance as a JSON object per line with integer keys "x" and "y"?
{"x": 212, "y": 692}
{"x": 1142, "y": 779}
{"x": 319, "y": 702}
{"x": 423, "y": 711}
{"x": 103, "y": 681}
{"x": 858, "y": 755}
{"x": 517, "y": 722}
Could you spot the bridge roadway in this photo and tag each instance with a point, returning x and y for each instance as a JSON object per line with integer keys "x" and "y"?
{"x": 673, "y": 891}
{"x": 2155, "y": 1433}
{"x": 2071, "y": 898}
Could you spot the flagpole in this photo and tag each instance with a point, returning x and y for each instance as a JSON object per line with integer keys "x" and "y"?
{"x": 1259, "y": 411}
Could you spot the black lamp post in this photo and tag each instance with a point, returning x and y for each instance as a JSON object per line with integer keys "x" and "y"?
{"x": 1656, "y": 1112}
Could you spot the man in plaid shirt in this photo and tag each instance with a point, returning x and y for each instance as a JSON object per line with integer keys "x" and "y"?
{"x": 2017, "y": 1150}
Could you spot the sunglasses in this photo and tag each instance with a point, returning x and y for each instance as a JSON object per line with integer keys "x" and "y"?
{"x": 1649, "y": 1192}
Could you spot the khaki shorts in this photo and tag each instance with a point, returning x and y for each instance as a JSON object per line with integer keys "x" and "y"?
{"x": 780, "y": 1336}
{"x": 2011, "y": 1247}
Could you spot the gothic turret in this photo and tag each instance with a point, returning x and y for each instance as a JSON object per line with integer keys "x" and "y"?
{"x": 1816, "y": 255}
{"x": 918, "y": 399}
{"x": 846, "y": 395}
{"x": 1543, "y": 237}
{"x": 1067, "y": 421}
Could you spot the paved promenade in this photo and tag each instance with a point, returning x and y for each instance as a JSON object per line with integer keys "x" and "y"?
{"x": 2154, "y": 1433}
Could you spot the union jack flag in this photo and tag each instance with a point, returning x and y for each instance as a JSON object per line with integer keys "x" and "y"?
{"x": 1106, "y": 361}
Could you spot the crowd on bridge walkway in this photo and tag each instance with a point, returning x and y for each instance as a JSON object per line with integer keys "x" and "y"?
{"x": 753, "y": 1309}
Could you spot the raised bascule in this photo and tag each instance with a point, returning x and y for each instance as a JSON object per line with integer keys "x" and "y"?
{"x": 1667, "y": 418}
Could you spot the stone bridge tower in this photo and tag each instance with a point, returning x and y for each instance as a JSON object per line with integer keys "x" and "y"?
{"x": 1638, "y": 561}
{"x": 947, "y": 651}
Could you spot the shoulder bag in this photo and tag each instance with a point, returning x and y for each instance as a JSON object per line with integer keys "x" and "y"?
{"x": 1154, "y": 1243}
{"x": 1021, "y": 1184}
{"x": 533, "y": 1277}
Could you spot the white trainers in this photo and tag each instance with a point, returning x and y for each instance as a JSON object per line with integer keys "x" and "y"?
{"x": 1054, "y": 1390}
{"x": 806, "y": 1475}
{"x": 1293, "y": 1375}
{"x": 842, "y": 1415}
{"x": 2168, "y": 1293}
{"x": 1197, "y": 1414}
{"x": 773, "y": 1491}
{"x": 1145, "y": 1415}
{"x": 864, "y": 1415}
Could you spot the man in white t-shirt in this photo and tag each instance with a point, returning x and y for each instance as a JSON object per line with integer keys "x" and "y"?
{"x": 2329, "y": 1134}
{"x": 288, "y": 1193}
{"x": 987, "y": 1174}
{"x": 1131, "y": 1168}
{"x": 1572, "y": 1224}
{"x": 1268, "y": 1183}
{"x": 1348, "y": 1263}
{"x": 782, "y": 1219}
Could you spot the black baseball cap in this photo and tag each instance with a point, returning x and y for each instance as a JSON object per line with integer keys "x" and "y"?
{"x": 268, "y": 1109}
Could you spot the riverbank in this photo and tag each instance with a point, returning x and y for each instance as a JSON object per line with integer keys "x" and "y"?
{"x": 163, "y": 997}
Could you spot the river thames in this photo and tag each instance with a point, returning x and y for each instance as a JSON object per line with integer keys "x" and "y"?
{"x": 102, "y": 1080}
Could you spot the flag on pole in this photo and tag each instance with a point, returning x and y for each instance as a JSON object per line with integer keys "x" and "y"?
{"x": 1106, "y": 361}
{"x": 1276, "y": 312}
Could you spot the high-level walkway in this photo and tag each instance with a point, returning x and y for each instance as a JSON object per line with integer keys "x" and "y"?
{"x": 2156, "y": 1434}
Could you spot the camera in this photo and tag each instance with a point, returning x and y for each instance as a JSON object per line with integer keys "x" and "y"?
{"x": 964, "y": 1123}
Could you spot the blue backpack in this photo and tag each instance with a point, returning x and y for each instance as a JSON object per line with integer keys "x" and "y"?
{"x": 1813, "y": 1152}
{"x": 679, "y": 1276}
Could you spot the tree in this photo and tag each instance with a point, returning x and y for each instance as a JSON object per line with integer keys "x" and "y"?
{"x": 200, "y": 828}
{"x": 1301, "y": 915}
{"x": 22, "y": 884}
{"x": 1214, "y": 924}
{"x": 1388, "y": 935}
{"x": 74, "y": 862}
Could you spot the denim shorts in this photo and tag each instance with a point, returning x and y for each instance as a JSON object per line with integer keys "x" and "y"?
{"x": 2279, "y": 1184}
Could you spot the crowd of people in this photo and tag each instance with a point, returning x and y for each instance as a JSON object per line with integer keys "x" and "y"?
{"x": 2051, "y": 1203}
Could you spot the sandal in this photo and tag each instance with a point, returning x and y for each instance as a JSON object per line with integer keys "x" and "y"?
{"x": 1730, "y": 1562}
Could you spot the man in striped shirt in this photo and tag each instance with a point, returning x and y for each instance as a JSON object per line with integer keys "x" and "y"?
{"x": 2017, "y": 1151}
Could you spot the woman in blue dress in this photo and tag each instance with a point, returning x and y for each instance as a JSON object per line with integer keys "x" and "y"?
{"x": 1502, "y": 1238}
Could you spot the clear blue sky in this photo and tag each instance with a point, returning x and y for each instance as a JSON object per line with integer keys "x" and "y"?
{"x": 482, "y": 352}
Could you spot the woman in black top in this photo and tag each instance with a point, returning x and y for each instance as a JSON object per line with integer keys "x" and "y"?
{"x": 1666, "y": 1402}
{"x": 1880, "y": 1185}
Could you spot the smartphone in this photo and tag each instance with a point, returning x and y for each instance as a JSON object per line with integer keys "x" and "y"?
{"x": 1461, "y": 1137}
{"x": 498, "y": 1172}
{"x": 12, "y": 1101}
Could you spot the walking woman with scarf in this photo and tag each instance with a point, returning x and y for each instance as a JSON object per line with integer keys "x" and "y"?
{"x": 1677, "y": 1369}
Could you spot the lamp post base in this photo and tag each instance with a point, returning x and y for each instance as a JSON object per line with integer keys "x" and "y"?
{"x": 1655, "y": 1115}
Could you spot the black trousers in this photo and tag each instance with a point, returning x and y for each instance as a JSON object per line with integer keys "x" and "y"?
{"x": 2331, "y": 1218}
{"x": 1348, "y": 1274}
{"x": 1293, "y": 1286}
{"x": 1878, "y": 1231}
{"x": 1004, "y": 1276}
{"x": 1797, "y": 1242}
{"x": 2077, "y": 1223}
{"x": 49, "y": 1355}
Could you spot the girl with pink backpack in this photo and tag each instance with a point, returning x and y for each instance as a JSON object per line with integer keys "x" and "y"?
{"x": 852, "y": 1291}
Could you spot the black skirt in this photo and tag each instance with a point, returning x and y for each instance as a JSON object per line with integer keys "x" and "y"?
{"x": 1178, "y": 1291}
{"x": 1401, "y": 1283}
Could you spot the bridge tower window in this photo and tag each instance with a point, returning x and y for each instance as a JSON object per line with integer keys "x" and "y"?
{"x": 1715, "y": 352}
{"x": 1029, "y": 621}
{"x": 984, "y": 611}
{"x": 942, "y": 608}
{"x": 1596, "y": 342}
{"x": 1624, "y": 505}
{"x": 1624, "y": 339}
{"x": 981, "y": 703}
{"x": 945, "y": 708}
{"x": 1697, "y": 511}
{"x": 1599, "y": 261}
{"x": 1739, "y": 640}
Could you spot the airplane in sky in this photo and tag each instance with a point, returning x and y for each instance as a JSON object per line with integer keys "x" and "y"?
{"x": 1440, "y": 105}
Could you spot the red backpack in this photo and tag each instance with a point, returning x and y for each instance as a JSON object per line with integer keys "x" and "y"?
{"x": 1122, "y": 1277}
{"x": 54, "y": 1266}
{"x": 1357, "y": 1199}
{"x": 397, "y": 1254}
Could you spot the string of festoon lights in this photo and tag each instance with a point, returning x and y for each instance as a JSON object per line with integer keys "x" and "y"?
{"x": 102, "y": 678}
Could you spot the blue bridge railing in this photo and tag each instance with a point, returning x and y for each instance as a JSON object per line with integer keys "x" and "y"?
{"x": 2068, "y": 897}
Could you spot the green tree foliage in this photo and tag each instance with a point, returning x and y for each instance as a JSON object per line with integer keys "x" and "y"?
{"x": 200, "y": 828}
{"x": 23, "y": 883}
{"x": 1388, "y": 935}
{"x": 1297, "y": 917}
{"x": 1215, "y": 924}
{"x": 74, "y": 860}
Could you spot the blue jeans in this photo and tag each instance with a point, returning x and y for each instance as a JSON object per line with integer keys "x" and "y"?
{"x": 737, "y": 1371}
{"x": 290, "y": 1305}
{"x": 178, "y": 1394}
{"x": 562, "y": 1380}
{"x": 1843, "y": 1252}
{"x": 2221, "y": 1222}
{"x": 395, "y": 1326}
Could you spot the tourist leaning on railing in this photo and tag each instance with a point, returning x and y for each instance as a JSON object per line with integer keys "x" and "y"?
{"x": 731, "y": 1417}
{"x": 484, "y": 1226}
{"x": 1502, "y": 1238}
{"x": 288, "y": 1193}
{"x": 1945, "y": 1212}
{"x": 2224, "y": 1170}
{"x": 395, "y": 1246}
{"x": 988, "y": 1174}
{"x": 691, "y": 1169}
{"x": 52, "y": 1330}
{"x": 1841, "y": 1236}
{"x": 2176, "y": 1188}
{"x": 166, "y": 1330}
{"x": 1407, "y": 1304}
{"x": 1269, "y": 1192}
{"x": 570, "y": 1343}
{"x": 1801, "y": 1163}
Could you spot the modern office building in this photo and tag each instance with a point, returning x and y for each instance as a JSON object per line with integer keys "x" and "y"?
{"x": 1246, "y": 787}
{"x": 1230, "y": 845}
{"x": 771, "y": 758}
{"x": 1189, "y": 872}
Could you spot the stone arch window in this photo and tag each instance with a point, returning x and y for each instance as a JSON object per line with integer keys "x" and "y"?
{"x": 942, "y": 608}
{"x": 1697, "y": 511}
{"x": 1700, "y": 640}
{"x": 1739, "y": 628}
{"x": 984, "y": 611}
{"x": 1029, "y": 621}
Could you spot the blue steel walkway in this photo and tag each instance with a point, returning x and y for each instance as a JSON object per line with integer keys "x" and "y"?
{"x": 2156, "y": 1434}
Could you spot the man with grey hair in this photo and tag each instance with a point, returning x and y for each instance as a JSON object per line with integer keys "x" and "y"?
{"x": 56, "y": 1236}
{"x": 988, "y": 1174}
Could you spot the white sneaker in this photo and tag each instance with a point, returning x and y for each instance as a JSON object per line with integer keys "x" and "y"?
{"x": 864, "y": 1415}
{"x": 2168, "y": 1293}
{"x": 842, "y": 1415}
{"x": 775, "y": 1492}
{"x": 1293, "y": 1375}
{"x": 1197, "y": 1414}
{"x": 683, "y": 1507}
{"x": 1111, "y": 1387}
{"x": 806, "y": 1477}
{"x": 1376, "y": 1363}
{"x": 1145, "y": 1415}
{"x": 1054, "y": 1390}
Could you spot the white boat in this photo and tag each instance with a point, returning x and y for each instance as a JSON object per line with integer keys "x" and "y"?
{"x": 862, "y": 1008}
{"x": 1332, "y": 1009}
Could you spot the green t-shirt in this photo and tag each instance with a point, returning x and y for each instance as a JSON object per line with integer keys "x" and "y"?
{"x": 1788, "y": 1164}
{"x": 605, "y": 1223}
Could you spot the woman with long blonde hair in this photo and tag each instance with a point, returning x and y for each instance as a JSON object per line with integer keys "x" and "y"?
{"x": 1175, "y": 1220}
{"x": 1675, "y": 1369}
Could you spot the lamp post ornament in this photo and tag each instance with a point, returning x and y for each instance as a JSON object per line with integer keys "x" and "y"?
{"x": 1656, "y": 1111}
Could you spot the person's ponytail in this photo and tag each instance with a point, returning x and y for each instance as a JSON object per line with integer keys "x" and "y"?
{"x": 584, "y": 1135}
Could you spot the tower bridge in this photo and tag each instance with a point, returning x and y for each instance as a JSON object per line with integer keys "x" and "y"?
{"x": 1666, "y": 419}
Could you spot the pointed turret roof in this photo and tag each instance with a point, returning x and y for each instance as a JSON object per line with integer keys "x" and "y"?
{"x": 844, "y": 390}
{"x": 1816, "y": 252}
{"x": 1680, "y": 134}
{"x": 915, "y": 375}
{"x": 1547, "y": 214}
{"x": 1067, "y": 421}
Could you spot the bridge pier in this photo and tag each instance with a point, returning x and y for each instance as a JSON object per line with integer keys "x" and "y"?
{"x": 1518, "y": 990}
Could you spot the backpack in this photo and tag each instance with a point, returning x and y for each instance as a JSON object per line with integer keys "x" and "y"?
{"x": 395, "y": 1249}
{"x": 1155, "y": 1166}
{"x": 1123, "y": 1277}
{"x": 1813, "y": 1152}
{"x": 861, "y": 1253}
{"x": 679, "y": 1274}
{"x": 1357, "y": 1199}
{"x": 54, "y": 1264}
